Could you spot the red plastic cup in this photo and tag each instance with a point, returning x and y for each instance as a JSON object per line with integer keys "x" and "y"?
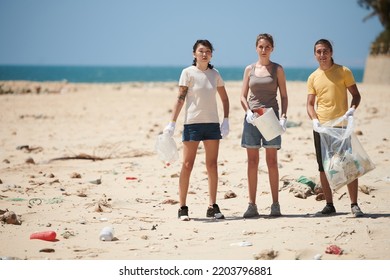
{"x": 44, "y": 235}
{"x": 260, "y": 111}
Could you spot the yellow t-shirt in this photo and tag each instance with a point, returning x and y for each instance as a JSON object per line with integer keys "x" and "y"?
{"x": 330, "y": 88}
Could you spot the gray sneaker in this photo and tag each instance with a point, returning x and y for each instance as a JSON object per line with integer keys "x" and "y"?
{"x": 251, "y": 211}
{"x": 356, "y": 212}
{"x": 275, "y": 210}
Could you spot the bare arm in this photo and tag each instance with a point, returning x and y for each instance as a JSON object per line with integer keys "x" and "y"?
{"x": 311, "y": 98}
{"x": 282, "y": 90}
{"x": 179, "y": 102}
{"x": 355, "y": 96}
{"x": 225, "y": 101}
{"x": 245, "y": 89}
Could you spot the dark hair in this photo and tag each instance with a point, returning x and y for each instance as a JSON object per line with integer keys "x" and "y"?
{"x": 265, "y": 36}
{"x": 326, "y": 43}
{"x": 205, "y": 43}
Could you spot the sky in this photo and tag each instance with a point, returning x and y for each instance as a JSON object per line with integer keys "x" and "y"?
{"x": 162, "y": 32}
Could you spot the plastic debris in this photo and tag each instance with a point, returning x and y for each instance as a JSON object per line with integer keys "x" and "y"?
{"x": 334, "y": 249}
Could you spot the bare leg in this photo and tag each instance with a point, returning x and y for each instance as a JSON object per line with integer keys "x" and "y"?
{"x": 253, "y": 166}
{"x": 211, "y": 148}
{"x": 189, "y": 154}
{"x": 273, "y": 172}
{"x": 353, "y": 191}
{"x": 326, "y": 188}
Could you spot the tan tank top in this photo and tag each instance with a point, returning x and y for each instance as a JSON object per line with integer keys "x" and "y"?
{"x": 263, "y": 90}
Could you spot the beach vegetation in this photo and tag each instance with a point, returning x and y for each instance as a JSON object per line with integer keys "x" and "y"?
{"x": 380, "y": 9}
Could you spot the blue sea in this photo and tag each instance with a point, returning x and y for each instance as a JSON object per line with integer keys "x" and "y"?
{"x": 119, "y": 74}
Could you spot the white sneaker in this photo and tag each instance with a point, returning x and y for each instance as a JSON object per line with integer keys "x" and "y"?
{"x": 356, "y": 212}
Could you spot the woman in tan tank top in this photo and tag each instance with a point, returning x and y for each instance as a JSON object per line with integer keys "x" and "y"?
{"x": 260, "y": 86}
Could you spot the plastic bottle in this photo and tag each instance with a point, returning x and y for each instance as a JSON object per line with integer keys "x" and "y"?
{"x": 106, "y": 234}
{"x": 44, "y": 235}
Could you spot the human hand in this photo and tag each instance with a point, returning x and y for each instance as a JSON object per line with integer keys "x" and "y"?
{"x": 317, "y": 126}
{"x": 225, "y": 128}
{"x": 170, "y": 128}
{"x": 349, "y": 113}
{"x": 250, "y": 117}
{"x": 283, "y": 123}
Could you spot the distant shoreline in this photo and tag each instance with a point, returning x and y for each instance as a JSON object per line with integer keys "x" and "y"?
{"x": 120, "y": 74}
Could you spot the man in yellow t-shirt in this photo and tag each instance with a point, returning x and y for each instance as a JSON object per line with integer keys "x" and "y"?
{"x": 327, "y": 99}
{"x": 330, "y": 89}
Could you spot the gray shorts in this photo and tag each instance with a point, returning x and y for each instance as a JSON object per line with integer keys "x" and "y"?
{"x": 252, "y": 138}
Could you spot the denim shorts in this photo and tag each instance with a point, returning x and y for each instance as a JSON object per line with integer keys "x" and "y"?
{"x": 201, "y": 131}
{"x": 253, "y": 139}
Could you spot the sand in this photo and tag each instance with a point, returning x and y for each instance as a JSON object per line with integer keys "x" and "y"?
{"x": 75, "y": 158}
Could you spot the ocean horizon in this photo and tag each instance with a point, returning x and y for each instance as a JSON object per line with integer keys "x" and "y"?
{"x": 122, "y": 74}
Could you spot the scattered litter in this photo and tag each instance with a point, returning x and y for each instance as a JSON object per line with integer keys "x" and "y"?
{"x": 101, "y": 205}
{"x": 344, "y": 233}
{"x": 131, "y": 178}
{"x": 29, "y": 149}
{"x": 9, "y": 217}
{"x": 106, "y": 234}
{"x": 47, "y": 250}
{"x": 334, "y": 249}
{"x": 386, "y": 179}
{"x": 80, "y": 156}
{"x": 55, "y": 200}
{"x": 369, "y": 232}
{"x": 16, "y": 199}
{"x": 6, "y": 258}
{"x": 44, "y": 235}
{"x": 34, "y": 201}
{"x": 364, "y": 189}
{"x": 317, "y": 257}
{"x": 75, "y": 175}
{"x": 245, "y": 232}
{"x": 81, "y": 193}
{"x": 306, "y": 181}
{"x": 266, "y": 255}
{"x": 170, "y": 201}
{"x": 320, "y": 196}
{"x": 96, "y": 182}
{"x": 300, "y": 190}
{"x": 230, "y": 194}
{"x": 242, "y": 244}
{"x": 30, "y": 160}
{"x": 67, "y": 234}
{"x": 302, "y": 187}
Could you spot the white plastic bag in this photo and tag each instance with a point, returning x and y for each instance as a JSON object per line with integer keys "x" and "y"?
{"x": 166, "y": 148}
{"x": 343, "y": 157}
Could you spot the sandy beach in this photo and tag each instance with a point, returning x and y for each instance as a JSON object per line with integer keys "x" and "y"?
{"x": 75, "y": 158}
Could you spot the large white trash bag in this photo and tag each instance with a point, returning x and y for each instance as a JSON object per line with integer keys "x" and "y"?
{"x": 343, "y": 157}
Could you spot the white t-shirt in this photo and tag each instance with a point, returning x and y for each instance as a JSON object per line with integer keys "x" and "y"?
{"x": 201, "y": 103}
